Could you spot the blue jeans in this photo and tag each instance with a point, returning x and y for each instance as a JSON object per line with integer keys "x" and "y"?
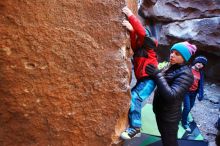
{"x": 188, "y": 103}
{"x": 141, "y": 91}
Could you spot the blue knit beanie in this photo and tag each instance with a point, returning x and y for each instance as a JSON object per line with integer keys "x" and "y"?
{"x": 200, "y": 59}
{"x": 185, "y": 49}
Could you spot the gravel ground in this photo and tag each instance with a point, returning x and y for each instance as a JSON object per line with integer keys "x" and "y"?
{"x": 206, "y": 112}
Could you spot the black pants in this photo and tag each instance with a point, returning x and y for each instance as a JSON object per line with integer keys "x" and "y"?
{"x": 168, "y": 132}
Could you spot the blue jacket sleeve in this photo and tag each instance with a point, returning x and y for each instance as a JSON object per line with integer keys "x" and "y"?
{"x": 201, "y": 86}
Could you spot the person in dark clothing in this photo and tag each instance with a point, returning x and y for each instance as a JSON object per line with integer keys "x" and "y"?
{"x": 196, "y": 88}
{"x": 217, "y": 126}
{"x": 172, "y": 83}
{"x": 217, "y": 139}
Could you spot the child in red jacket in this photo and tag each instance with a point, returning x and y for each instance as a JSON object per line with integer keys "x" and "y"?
{"x": 143, "y": 46}
{"x": 197, "y": 68}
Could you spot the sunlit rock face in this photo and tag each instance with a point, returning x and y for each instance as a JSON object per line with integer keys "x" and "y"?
{"x": 183, "y": 20}
{"x": 64, "y": 78}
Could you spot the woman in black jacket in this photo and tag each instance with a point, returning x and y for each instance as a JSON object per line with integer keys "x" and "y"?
{"x": 172, "y": 83}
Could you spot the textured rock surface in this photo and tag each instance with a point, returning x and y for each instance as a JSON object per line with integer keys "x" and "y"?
{"x": 174, "y": 10}
{"x": 64, "y": 73}
{"x": 202, "y": 32}
{"x": 195, "y": 21}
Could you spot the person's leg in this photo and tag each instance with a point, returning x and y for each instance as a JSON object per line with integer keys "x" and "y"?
{"x": 186, "y": 109}
{"x": 134, "y": 115}
{"x": 168, "y": 132}
{"x": 135, "y": 110}
{"x": 217, "y": 139}
{"x": 146, "y": 89}
{"x": 159, "y": 123}
{"x": 192, "y": 99}
{"x": 185, "y": 113}
{"x": 138, "y": 94}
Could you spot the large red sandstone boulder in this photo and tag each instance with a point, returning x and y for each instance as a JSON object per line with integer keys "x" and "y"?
{"x": 64, "y": 77}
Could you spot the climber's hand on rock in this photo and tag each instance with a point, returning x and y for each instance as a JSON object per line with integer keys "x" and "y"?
{"x": 127, "y": 11}
{"x": 127, "y": 25}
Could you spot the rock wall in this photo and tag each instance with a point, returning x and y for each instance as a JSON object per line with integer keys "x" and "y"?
{"x": 64, "y": 72}
{"x": 195, "y": 21}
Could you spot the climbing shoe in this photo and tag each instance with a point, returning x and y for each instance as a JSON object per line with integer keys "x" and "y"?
{"x": 130, "y": 133}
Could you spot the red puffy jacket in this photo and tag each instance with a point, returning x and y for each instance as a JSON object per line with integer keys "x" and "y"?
{"x": 143, "y": 54}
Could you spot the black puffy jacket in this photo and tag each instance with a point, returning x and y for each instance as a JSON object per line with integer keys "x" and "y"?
{"x": 171, "y": 88}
